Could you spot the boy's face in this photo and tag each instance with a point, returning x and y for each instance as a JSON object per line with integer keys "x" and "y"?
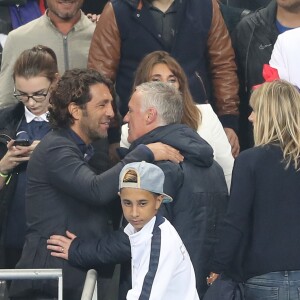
{"x": 139, "y": 206}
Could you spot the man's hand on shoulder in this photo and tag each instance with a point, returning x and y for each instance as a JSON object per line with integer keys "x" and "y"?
{"x": 165, "y": 152}
{"x": 59, "y": 244}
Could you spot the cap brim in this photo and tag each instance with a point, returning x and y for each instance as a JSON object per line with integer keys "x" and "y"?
{"x": 167, "y": 198}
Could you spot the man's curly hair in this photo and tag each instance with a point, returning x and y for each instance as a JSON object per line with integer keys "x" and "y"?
{"x": 73, "y": 86}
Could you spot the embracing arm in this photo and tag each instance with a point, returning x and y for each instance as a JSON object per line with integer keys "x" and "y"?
{"x": 68, "y": 172}
{"x": 112, "y": 248}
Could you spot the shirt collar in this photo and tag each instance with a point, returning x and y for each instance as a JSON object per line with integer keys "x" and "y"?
{"x": 171, "y": 9}
{"x": 31, "y": 117}
{"x": 86, "y": 150}
{"x": 82, "y": 23}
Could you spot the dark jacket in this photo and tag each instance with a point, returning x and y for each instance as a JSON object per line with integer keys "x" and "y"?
{"x": 263, "y": 215}
{"x": 253, "y": 41}
{"x": 199, "y": 191}
{"x": 64, "y": 194}
{"x": 126, "y": 32}
{"x": 10, "y": 119}
{"x": 200, "y": 197}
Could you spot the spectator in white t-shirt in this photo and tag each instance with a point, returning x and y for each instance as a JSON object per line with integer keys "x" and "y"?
{"x": 286, "y": 56}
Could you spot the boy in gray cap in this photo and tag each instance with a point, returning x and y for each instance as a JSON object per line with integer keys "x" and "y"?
{"x": 161, "y": 266}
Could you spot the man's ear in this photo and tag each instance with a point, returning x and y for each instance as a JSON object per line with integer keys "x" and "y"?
{"x": 159, "y": 201}
{"x": 57, "y": 77}
{"x": 151, "y": 115}
{"x": 74, "y": 110}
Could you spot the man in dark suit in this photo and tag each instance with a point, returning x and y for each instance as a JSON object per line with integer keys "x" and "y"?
{"x": 62, "y": 190}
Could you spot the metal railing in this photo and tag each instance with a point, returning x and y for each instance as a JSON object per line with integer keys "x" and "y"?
{"x": 90, "y": 286}
{"x": 34, "y": 274}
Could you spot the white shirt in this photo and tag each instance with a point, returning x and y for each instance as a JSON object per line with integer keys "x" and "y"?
{"x": 174, "y": 278}
{"x": 212, "y": 131}
{"x": 286, "y": 56}
{"x": 31, "y": 117}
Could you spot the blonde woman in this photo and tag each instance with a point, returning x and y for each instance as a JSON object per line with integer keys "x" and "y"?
{"x": 264, "y": 207}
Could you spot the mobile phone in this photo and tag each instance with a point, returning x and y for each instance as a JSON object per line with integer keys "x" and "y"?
{"x": 22, "y": 142}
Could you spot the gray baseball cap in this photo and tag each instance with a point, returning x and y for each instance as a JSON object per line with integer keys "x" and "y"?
{"x": 149, "y": 178}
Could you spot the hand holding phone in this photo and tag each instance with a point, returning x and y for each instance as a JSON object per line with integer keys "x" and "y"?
{"x": 22, "y": 142}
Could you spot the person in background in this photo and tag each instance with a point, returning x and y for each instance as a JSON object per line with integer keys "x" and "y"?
{"x": 232, "y": 14}
{"x": 128, "y": 30}
{"x": 68, "y": 31}
{"x": 264, "y": 209}
{"x": 285, "y": 56}
{"x": 160, "y": 66}
{"x": 63, "y": 192}
{"x": 248, "y": 4}
{"x": 93, "y": 6}
{"x": 253, "y": 41}
{"x": 141, "y": 193}
{"x": 63, "y": 28}
{"x": 35, "y": 74}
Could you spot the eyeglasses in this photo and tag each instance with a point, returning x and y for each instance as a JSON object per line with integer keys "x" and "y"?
{"x": 37, "y": 97}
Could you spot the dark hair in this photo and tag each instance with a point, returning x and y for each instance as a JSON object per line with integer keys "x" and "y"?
{"x": 191, "y": 114}
{"x": 73, "y": 86}
{"x": 37, "y": 61}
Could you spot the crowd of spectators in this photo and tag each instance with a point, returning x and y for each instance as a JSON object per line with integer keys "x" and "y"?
{"x": 88, "y": 86}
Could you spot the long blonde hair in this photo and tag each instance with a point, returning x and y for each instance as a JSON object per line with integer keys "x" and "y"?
{"x": 277, "y": 118}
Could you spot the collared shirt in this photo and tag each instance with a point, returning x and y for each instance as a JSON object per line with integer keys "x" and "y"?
{"x": 87, "y": 150}
{"x": 31, "y": 117}
{"x": 165, "y": 22}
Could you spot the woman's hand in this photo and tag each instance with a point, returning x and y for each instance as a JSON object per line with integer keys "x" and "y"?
{"x": 165, "y": 152}
{"x": 32, "y": 147}
{"x": 60, "y": 244}
{"x": 13, "y": 157}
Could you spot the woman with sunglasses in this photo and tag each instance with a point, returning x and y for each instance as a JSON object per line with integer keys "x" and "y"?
{"x": 22, "y": 126}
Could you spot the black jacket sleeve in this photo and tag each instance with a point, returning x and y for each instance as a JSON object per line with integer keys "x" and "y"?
{"x": 112, "y": 248}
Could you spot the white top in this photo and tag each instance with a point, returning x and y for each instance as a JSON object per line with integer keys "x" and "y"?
{"x": 210, "y": 130}
{"x": 285, "y": 56}
{"x": 31, "y": 117}
{"x": 174, "y": 278}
